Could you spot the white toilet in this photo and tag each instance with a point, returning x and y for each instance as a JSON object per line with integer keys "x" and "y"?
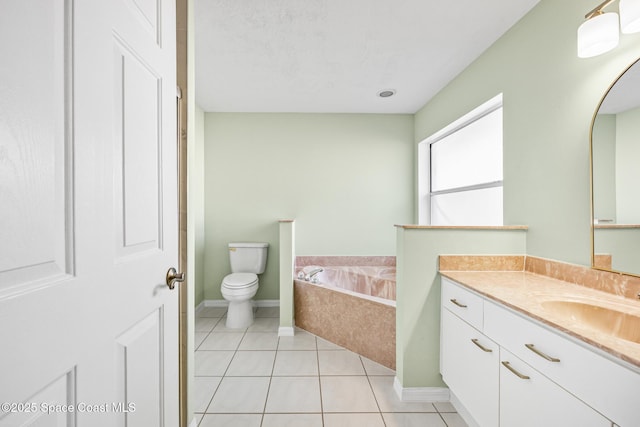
{"x": 247, "y": 261}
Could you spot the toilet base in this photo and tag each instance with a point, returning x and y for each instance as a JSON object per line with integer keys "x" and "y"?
{"x": 240, "y": 314}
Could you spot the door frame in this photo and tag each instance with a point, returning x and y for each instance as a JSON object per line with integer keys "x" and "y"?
{"x": 186, "y": 289}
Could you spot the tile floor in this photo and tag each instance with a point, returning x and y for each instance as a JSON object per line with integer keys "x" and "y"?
{"x": 253, "y": 378}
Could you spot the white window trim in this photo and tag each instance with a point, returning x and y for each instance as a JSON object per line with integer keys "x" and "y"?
{"x": 424, "y": 153}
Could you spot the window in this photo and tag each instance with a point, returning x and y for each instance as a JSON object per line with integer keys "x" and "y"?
{"x": 461, "y": 170}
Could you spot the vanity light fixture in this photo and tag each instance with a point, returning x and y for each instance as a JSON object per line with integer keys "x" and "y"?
{"x": 630, "y": 16}
{"x": 601, "y": 31}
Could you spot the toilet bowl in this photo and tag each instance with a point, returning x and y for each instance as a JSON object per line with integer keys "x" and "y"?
{"x": 247, "y": 260}
{"x": 238, "y": 289}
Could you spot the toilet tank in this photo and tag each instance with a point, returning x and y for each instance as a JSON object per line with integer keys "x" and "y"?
{"x": 248, "y": 257}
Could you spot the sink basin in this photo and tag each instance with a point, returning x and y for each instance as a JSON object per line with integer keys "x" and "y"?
{"x": 602, "y": 319}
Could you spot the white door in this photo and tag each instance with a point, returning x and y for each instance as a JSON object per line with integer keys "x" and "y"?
{"x": 88, "y": 215}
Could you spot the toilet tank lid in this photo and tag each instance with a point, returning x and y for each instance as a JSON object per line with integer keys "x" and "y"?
{"x": 248, "y": 245}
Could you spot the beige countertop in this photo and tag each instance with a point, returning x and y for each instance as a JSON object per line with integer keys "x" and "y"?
{"x": 534, "y": 295}
{"x": 616, "y": 226}
{"x": 462, "y": 227}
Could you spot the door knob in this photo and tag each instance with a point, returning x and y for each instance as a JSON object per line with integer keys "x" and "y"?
{"x": 173, "y": 276}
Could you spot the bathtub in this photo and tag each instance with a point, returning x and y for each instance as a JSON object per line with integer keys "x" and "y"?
{"x": 352, "y": 305}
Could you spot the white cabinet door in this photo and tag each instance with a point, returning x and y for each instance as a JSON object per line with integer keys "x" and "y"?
{"x": 88, "y": 225}
{"x": 469, "y": 366}
{"x": 529, "y": 399}
{"x": 603, "y": 384}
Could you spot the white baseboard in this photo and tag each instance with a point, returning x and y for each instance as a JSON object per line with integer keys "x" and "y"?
{"x": 267, "y": 303}
{"x": 225, "y": 303}
{"x": 420, "y": 394}
{"x": 200, "y": 306}
{"x": 220, "y": 303}
{"x": 286, "y": 331}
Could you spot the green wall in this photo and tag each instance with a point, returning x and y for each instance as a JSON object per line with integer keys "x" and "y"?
{"x": 604, "y": 167}
{"x": 418, "y": 293}
{"x": 628, "y": 167}
{"x": 550, "y": 96}
{"x": 616, "y": 153}
{"x": 623, "y": 244}
{"x": 345, "y": 178}
{"x": 196, "y": 195}
{"x": 616, "y": 156}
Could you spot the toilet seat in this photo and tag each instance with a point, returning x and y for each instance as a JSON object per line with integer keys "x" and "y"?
{"x": 239, "y": 280}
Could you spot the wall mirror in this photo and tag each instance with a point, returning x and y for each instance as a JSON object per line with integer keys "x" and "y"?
{"x": 615, "y": 176}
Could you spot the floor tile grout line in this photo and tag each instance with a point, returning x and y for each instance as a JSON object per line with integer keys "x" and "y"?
{"x": 232, "y": 357}
{"x": 224, "y": 375}
{"x": 375, "y": 397}
{"x": 226, "y": 370}
{"x": 315, "y": 340}
{"x": 318, "y": 350}
{"x": 273, "y": 367}
{"x": 442, "y": 418}
{"x": 208, "y": 333}
{"x": 211, "y": 399}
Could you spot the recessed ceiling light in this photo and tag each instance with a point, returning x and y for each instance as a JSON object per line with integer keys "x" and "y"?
{"x": 386, "y": 93}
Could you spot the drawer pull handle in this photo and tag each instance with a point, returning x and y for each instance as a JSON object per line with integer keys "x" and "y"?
{"x": 483, "y": 348}
{"x": 518, "y": 374}
{"x": 541, "y": 354}
{"x": 455, "y": 301}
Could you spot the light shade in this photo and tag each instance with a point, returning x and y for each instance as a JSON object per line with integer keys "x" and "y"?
{"x": 629, "y": 16}
{"x": 598, "y": 35}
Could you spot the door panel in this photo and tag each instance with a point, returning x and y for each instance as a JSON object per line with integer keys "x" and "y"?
{"x": 140, "y": 371}
{"x": 88, "y": 180}
{"x": 39, "y": 409}
{"x": 34, "y": 190}
{"x": 147, "y": 13}
{"x": 137, "y": 93}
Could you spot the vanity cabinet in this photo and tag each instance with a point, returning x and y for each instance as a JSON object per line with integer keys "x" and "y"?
{"x": 528, "y": 374}
{"x": 530, "y": 399}
{"x": 463, "y": 303}
{"x": 469, "y": 365}
{"x": 609, "y": 387}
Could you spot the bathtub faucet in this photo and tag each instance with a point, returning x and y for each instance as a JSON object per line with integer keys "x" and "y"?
{"x": 311, "y": 275}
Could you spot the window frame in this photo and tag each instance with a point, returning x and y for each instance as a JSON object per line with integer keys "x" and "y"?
{"x": 425, "y": 166}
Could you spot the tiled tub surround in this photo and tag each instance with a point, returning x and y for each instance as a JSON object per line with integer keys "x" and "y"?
{"x": 352, "y": 306}
{"x": 531, "y": 286}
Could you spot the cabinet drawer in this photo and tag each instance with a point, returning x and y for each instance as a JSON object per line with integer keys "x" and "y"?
{"x": 462, "y": 302}
{"x": 529, "y": 399}
{"x": 611, "y": 388}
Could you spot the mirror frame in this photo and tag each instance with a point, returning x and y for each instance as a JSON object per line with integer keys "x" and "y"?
{"x": 593, "y": 120}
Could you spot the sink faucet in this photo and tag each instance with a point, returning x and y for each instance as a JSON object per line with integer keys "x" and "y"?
{"x": 311, "y": 275}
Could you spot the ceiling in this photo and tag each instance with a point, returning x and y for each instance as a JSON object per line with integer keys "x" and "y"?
{"x": 334, "y": 56}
